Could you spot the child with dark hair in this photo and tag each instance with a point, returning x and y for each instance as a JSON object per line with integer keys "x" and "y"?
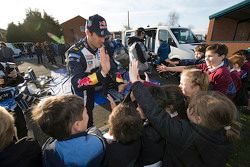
{"x": 16, "y": 153}
{"x": 204, "y": 140}
{"x": 64, "y": 119}
{"x": 239, "y": 78}
{"x": 199, "y": 53}
{"x": 123, "y": 138}
{"x": 176, "y": 104}
{"x": 245, "y": 67}
{"x": 152, "y": 144}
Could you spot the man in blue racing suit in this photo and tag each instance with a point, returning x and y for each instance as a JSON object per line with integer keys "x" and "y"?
{"x": 88, "y": 62}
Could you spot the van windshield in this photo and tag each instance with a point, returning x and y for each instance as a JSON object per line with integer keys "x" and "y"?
{"x": 184, "y": 35}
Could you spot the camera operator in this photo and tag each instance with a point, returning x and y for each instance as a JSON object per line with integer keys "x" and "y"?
{"x": 9, "y": 79}
{"x": 13, "y": 77}
{"x": 138, "y": 50}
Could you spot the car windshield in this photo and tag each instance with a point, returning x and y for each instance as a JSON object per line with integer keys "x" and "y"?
{"x": 184, "y": 35}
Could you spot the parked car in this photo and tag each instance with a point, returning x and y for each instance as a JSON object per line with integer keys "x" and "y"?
{"x": 17, "y": 52}
{"x": 200, "y": 37}
{"x": 25, "y": 47}
{"x": 181, "y": 40}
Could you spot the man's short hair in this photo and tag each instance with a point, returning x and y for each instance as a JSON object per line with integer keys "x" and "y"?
{"x": 125, "y": 123}
{"x": 56, "y": 115}
{"x": 139, "y": 31}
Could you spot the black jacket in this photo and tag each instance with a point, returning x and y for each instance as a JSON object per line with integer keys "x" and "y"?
{"x": 152, "y": 149}
{"x": 188, "y": 145}
{"x": 24, "y": 153}
{"x": 122, "y": 155}
{"x": 139, "y": 51}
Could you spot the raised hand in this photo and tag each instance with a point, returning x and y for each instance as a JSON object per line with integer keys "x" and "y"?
{"x": 112, "y": 102}
{"x": 133, "y": 71}
{"x": 105, "y": 63}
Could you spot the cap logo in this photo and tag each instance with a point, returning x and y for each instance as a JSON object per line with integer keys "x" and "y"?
{"x": 89, "y": 23}
{"x": 103, "y": 24}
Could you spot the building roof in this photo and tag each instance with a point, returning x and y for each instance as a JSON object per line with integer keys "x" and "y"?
{"x": 240, "y": 11}
{"x": 3, "y": 30}
{"x": 73, "y": 19}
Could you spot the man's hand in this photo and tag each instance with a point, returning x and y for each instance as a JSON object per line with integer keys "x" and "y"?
{"x": 133, "y": 71}
{"x": 105, "y": 63}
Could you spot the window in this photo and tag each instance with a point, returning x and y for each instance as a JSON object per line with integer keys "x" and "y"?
{"x": 184, "y": 35}
{"x": 164, "y": 35}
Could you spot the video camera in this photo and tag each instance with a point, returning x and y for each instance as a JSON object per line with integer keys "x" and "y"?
{"x": 153, "y": 58}
{"x": 10, "y": 67}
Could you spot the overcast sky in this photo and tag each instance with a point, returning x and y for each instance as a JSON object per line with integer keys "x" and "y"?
{"x": 142, "y": 12}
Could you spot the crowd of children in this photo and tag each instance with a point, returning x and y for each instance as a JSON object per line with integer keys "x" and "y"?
{"x": 192, "y": 124}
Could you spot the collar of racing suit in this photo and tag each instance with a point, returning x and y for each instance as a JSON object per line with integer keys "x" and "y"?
{"x": 85, "y": 41}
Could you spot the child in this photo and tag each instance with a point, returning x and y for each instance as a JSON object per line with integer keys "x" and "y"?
{"x": 245, "y": 67}
{"x": 22, "y": 153}
{"x": 204, "y": 140}
{"x": 238, "y": 76}
{"x": 152, "y": 148}
{"x": 123, "y": 138}
{"x": 64, "y": 119}
{"x": 193, "y": 81}
{"x": 176, "y": 104}
{"x": 219, "y": 75}
{"x": 199, "y": 53}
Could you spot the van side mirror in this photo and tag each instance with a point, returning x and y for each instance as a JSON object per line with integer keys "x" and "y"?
{"x": 171, "y": 42}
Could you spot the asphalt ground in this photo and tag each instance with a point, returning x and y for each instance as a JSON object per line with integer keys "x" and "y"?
{"x": 100, "y": 113}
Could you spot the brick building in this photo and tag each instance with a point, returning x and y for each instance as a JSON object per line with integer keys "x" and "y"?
{"x": 231, "y": 27}
{"x": 74, "y": 29}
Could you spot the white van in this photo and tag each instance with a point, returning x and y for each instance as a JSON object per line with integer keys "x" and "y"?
{"x": 17, "y": 52}
{"x": 182, "y": 40}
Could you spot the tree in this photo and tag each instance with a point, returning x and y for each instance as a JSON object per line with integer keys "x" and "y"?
{"x": 173, "y": 18}
{"x": 15, "y": 33}
{"x": 34, "y": 28}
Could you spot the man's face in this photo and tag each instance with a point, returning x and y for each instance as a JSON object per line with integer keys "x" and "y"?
{"x": 95, "y": 40}
{"x": 213, "y": 59}
{"x": 142, "y": 36}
